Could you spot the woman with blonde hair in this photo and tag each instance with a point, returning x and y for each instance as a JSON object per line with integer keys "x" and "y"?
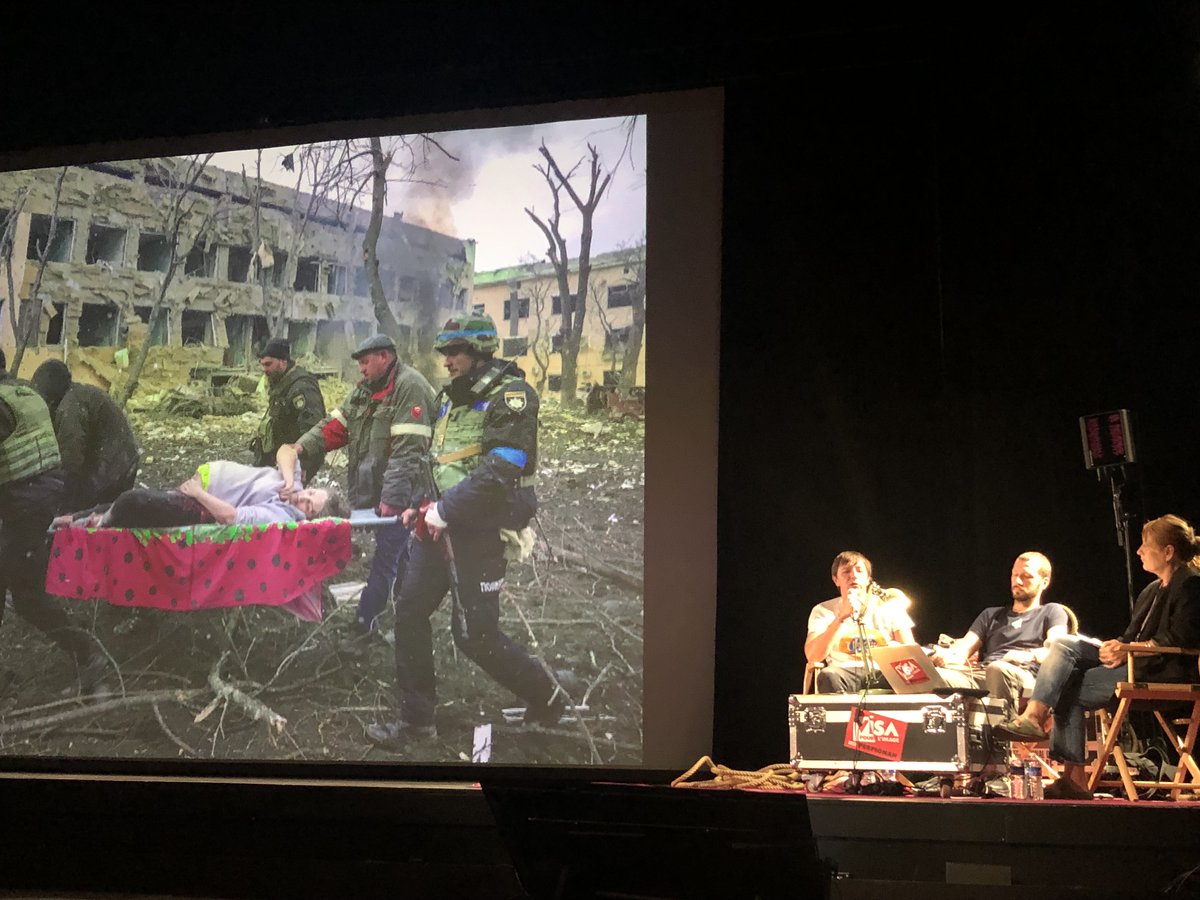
{"x": 1079, "y": 675}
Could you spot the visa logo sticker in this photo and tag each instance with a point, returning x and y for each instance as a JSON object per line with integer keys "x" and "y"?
{"x": 875, "y": 734}
{"x": 909, "y": 671}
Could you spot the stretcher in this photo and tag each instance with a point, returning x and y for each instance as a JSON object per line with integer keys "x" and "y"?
{"x": 206, "y": 566}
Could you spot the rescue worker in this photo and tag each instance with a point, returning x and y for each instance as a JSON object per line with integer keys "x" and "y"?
{"x": 385, "y": 424}
{"x": 294, "y": 405}
{"x": 31, "y": 491}
{"x": 484, "y": 457}
{"x": 99, "y": 452}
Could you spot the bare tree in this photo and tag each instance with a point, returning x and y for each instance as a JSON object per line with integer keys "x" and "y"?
{"x": 540, "y": 339}
{"x": 403, "y": 160}
{"x": 635, "y": 276}
{"x": 177, "y": 211}
{"x": 328, "y": 181}
{"x": 386, "y": 319}
{"x": 6, "y": 253}
{"x": 30, "y": 313}
{"x": 574, "y": 309}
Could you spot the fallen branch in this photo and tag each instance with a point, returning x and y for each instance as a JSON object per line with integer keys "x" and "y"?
{"x": 167, "y": 731}
{"x": 95, "y": 709}
{"x": 620, "y": 576}
{"x": 256, "y": 708}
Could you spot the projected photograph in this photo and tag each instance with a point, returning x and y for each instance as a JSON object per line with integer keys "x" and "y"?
{"x": 331, "y": 451}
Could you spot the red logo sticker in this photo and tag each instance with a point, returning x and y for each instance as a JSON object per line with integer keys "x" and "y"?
{"x": 875, "y": 734}
{"x": 909, "y": 671}
{"x": 416, "y": 412}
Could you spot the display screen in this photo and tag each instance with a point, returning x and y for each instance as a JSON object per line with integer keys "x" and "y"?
{"x": 174, "y": 285}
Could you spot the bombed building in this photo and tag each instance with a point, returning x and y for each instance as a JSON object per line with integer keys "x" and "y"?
{"x": 238, "y": 260}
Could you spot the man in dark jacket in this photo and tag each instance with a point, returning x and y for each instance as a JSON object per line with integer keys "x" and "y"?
{"x": 484, "y": 462}
{"x": 385, "y": 426}
{"x": 294, "y": 405}
{"x": 31, "y": 490}
{"x": 99, "y": 453}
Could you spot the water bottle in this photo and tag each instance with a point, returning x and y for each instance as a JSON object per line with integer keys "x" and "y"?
{"x": 1033, "y": 780}
{"x": 1016, "y": 780}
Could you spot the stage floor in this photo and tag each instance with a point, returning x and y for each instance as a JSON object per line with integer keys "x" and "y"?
{"x": 266, "y": 839}
{"x": 1110, "y": 847}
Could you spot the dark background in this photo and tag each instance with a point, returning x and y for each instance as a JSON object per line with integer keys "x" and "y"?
{"x": 943, "y": 243}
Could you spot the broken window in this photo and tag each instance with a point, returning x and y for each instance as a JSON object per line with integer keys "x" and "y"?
{"x": 555, "y": 383}
{"x": 303, "y": 338}
{"x": 58, "y": 324}
{"x": 477, "y": 309}
{"x": 98, "y": 324}
{"x": 556, "y": 305}
{"x": 197, "y": 327}
{"x": 617, "y": 338}
{"x": 158, "y": 333}
{"x": 407, "y": 291}
{"x": 361, "y": 288}
{"x": 516, "y": 346}
{"x": 154, "y": 253}
{"x": 387, "y": 278}
{"x": 280, "y": 267}
{"x": 556, "y": 343}
{"x": 522, "y": 308}
{"x": 105, "y": 245}
{"x": 245, "y": 334}
{"x": 620, "y": 295}
{"x": 335, "y": 280}
{"x": 460, "y": 302}
{"x": 39, "y": 237}
{"x": 201, "y": 262}
{"x": 308, "y": 272}
{"x": 331, "y": 339}
{"x": 239, "y": 264}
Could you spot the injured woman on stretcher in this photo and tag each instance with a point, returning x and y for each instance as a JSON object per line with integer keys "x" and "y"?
{"x": 219, "y": 492}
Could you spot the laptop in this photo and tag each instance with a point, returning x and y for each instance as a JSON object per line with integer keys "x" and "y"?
{"x": 908, "y": 669}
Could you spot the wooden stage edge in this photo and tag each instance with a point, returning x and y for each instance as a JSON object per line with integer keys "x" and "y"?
{"x": 334, "y": 836}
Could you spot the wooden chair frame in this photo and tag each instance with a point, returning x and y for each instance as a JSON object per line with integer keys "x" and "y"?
{"x": 1128, "y": 692}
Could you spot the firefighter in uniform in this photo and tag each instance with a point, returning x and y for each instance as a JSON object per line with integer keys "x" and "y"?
{"x": 385, "y": 426}
{"x": 484, "y": 456}
{"x": 294, "y": 405}
{"x": 31, "y": 493}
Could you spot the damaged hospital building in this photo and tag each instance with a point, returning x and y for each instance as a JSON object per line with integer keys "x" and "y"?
{"x": 244, "y": 253}
{"x": 249, "y": 255}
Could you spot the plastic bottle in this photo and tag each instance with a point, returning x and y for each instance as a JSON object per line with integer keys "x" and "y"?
{"x": 1016, "y": 780}
{"x": 1033, "y": 780}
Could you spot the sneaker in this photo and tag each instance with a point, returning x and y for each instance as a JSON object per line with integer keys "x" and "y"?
{"x": 1021, "y": 730}
{"x": 398, "y": 735}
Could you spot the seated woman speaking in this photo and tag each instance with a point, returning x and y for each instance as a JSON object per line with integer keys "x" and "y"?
{"x": 1079, "y": 675}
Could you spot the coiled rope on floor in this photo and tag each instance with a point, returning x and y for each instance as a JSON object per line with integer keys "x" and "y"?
{"x": 778, "y": 777}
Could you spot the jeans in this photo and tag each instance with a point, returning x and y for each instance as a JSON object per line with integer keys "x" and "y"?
{"x": 1071, "y": 681}
{"x": 387, "y": 569}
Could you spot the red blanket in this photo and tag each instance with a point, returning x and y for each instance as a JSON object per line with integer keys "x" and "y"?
{"x": 201, "y": 567}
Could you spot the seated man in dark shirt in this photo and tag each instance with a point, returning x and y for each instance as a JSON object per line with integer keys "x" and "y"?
{"x": 1011, "y": 640}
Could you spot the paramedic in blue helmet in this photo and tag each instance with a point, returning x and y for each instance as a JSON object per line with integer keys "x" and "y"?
{"x": 484, "y": 456}
{"x": 384, "y": 424}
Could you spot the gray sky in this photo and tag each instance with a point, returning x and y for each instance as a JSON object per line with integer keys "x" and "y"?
{"x": 483, "y": 194}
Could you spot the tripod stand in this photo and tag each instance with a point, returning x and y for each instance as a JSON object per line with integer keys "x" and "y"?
{"x": 1117, "y": 479}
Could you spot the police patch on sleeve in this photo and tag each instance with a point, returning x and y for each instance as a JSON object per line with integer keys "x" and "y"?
{"x": 514, "y": 400}
{"x": 298, "y": 401}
